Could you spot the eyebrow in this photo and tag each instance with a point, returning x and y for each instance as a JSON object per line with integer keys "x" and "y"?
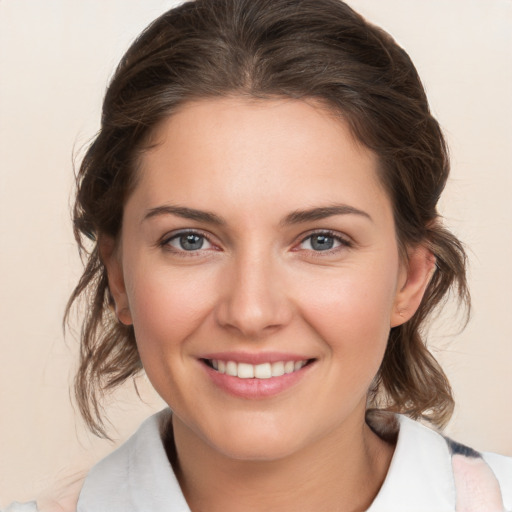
{"x": 311, "y": 214}
{"x": 185, "y": 213}
{"x": 295, "y": 217}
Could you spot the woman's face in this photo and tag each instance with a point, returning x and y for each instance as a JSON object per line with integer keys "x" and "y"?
{"x": 259, "y": 266}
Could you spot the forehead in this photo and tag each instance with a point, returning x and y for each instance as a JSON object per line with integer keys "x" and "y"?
{"x": 250, "y": 154}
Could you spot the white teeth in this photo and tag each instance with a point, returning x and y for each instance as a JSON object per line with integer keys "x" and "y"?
{"x": 258, "y": 371}
{"x": 277, "y": 369}
{"x": 263, "y": 371}
{"x": 289, "y": 366}
{"x": 232, "y": 369}
{"x": 245, "y": 371}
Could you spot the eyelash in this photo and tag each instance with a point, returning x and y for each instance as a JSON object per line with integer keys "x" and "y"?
{"x": 166, "y": 240}
{"x": 343, "y": 241}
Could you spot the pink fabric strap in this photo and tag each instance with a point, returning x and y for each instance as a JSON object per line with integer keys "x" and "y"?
{"x": 477, "y": 488}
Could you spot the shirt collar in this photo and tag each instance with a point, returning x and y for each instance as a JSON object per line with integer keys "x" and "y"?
{"x": 420, "y": 476}
{"x": 138, "y": 476}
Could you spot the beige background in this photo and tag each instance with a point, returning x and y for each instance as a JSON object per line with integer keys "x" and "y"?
{"x": 55, "y": 60}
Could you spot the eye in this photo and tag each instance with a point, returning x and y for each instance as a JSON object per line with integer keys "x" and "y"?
{"x": 188, "y": 241}
{"x": 323, "y": 241}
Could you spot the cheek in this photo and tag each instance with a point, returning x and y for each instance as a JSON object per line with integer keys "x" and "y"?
{"x": 167, "y": 309}
{"x": 351, "y": 312}
{"x": 167, "y": 306}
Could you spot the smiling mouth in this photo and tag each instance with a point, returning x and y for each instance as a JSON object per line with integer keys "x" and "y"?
{"x": 256, "y": 371}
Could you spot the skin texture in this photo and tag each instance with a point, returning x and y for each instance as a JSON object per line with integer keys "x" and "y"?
{"x": 258, "y": 285}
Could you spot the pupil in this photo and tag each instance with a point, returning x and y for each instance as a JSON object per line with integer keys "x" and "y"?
{"x": 322, "y": 242}
{"x": 191, "y": 242}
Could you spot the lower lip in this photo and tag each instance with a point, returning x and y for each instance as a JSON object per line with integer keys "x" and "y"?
{"x": 256, "y": 388}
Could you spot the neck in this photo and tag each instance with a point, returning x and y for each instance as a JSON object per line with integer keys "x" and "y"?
{"x": 342, "y": 471}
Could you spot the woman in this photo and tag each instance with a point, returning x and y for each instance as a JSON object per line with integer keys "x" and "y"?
{"x": 261, "y": 201}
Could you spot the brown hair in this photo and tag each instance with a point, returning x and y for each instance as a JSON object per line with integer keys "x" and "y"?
{"x": 314, "y": 49}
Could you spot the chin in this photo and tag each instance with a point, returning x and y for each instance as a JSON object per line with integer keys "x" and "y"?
{"x": 257, "y": 441}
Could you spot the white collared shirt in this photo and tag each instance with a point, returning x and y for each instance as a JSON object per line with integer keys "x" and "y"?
{"x": 137, "y": 477}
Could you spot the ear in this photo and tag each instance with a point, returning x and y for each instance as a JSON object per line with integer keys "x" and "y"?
{"x": 414, "y": 277}
{"x": 111, "y": 258}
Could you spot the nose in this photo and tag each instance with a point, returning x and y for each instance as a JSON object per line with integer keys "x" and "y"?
{"x": 253, "y": 301}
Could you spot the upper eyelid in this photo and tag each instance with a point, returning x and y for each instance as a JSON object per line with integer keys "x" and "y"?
{"x": 175, "y": 234}
{"x": 164, "y": 240}
{"x": 328, "y": 232}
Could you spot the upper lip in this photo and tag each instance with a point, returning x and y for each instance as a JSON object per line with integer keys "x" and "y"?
{"x": 255, "y": 357}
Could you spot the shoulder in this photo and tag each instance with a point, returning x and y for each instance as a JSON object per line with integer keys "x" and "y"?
{"x": 502, "y": 467}
{"x": 62, "y": 497}
{"x": 45, "y": 506}
{"x": 137, "y": 472}
{"x": 21, "y": 507}
{"x": 136, "y": 476}
{"x": 123, "y": 467}
{"x": 440, "y": 474}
